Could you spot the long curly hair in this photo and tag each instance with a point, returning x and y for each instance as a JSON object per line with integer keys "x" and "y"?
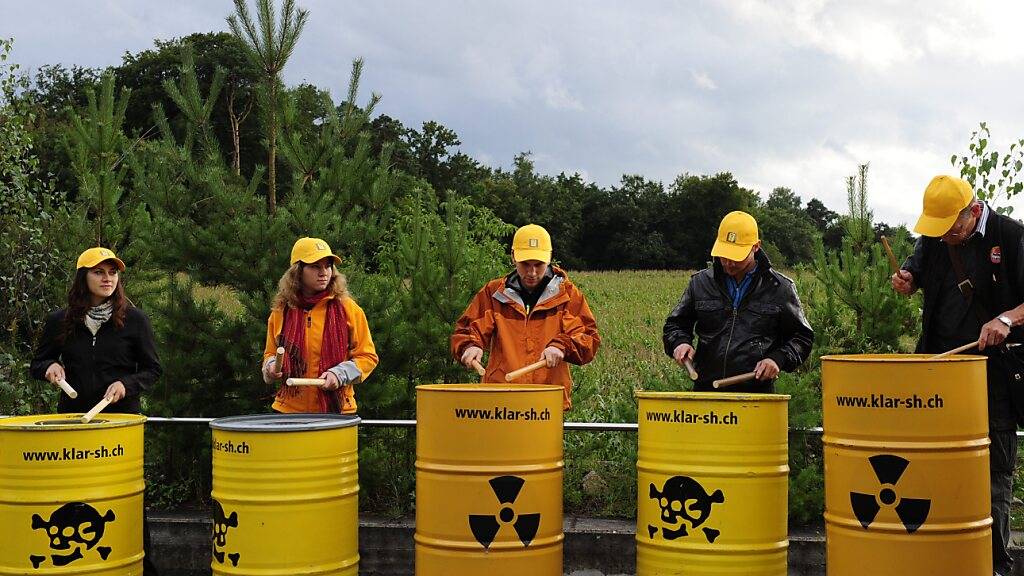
{"x": 289, "y": 287}
{"x": 79, "y": 302}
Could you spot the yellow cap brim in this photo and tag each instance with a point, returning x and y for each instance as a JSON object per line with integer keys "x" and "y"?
{"x": 93, "y": 264}
{"x": 729, "y": 251}
{"x": 318, "y": 257}
{"x": 934, "y": 227}
{"x": 524, "y": 255}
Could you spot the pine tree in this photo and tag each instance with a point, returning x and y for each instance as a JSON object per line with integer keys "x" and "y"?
{"x": 270, "y": 42}
{"x": 858, "y": 278}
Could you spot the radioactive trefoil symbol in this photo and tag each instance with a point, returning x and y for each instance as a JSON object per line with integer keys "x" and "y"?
{"x": 485, "y": 526}
{"x": 683, "y": 498}
{"x": 72, "y": 528}
{"x": 913, "y": 512}
{"x": 221, "y": 524}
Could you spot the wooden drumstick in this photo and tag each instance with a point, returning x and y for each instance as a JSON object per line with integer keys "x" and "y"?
{"x": 478, "y": 367}
{"x": 690, "y": 369}
{"x": 733, "y": 380}
{"x": 956, "y": 350}
{"x": 67, "y": 388}
{"x": 892, "y": 257}
{"x": 305, "y": 382}
{"x": 88, "y": 416}
{"x": 525, "y": 370}
{"x": 279, "y": 357}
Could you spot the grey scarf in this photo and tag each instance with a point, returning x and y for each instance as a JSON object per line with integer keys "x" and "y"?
{"x": 97, "y": 315}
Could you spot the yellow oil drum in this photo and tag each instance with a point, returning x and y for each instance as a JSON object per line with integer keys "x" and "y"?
{"x": 71, "y": 495}
{"x": 906, "y": 465}
{"x": 712, "y": 484}
{"x": 286, "y": 495}
{"x": 488, "y": 480}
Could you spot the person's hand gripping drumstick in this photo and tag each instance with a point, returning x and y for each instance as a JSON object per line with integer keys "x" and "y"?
{"x": 55, "y": 374}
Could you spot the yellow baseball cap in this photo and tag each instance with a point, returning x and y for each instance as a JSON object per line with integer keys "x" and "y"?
{"x": 944, "y": 198}
{"x": 310, "y": 250}
{"x": 737, "y": 235}
{"x": 93, "y": 256}
{"x": 531, "y": 242}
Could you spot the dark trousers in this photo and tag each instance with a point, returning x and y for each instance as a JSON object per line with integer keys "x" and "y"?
{"x": 1002, "y": 462}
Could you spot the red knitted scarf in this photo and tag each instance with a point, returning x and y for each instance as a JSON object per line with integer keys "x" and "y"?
{"x": 333, "y": 346}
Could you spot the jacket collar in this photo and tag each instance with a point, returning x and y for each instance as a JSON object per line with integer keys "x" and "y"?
{"x": 763, "y": 265}
{"x": 553, "y": 294}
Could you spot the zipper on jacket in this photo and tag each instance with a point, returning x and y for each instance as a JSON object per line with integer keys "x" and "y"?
{"x": 309, "y": 320}
{"x": 725, "y": 359}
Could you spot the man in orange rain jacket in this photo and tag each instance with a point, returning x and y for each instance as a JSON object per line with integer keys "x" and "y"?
{"x": 534, "y": 313}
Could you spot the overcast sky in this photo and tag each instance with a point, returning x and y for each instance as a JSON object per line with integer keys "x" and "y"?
{"x": 791, "y": 93}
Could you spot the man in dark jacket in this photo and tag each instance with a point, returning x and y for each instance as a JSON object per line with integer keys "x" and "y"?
{"x": 968, "y": 264}
{"x": 747, "y": 317}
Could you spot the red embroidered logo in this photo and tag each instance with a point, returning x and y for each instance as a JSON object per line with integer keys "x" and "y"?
{"x": 996, "y": 255}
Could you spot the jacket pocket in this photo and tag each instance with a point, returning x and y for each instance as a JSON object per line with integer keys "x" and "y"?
{"x": 764, "y": 318}
{"x": 711, "y": 316}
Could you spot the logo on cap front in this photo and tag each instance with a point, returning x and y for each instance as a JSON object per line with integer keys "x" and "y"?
{"x": 104, "y": 253}
{"x": 321, "y": 246}
{"x": 534, "y": 242}
{"x": 731, "y": 237}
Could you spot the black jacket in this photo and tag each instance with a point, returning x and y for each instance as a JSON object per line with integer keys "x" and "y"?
{"x": 998, "y": 281}
{"x": 769, "y": 323}
{"x": 92, "y": 364}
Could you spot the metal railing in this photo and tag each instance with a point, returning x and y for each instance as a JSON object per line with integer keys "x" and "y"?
{"x": 573, "y": 426}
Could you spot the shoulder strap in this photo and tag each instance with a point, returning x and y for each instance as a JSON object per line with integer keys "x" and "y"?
{"x": 966, "y": 287}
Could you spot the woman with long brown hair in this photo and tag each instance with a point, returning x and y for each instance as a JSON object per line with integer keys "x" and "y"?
{"x": 100, "y": 343}
{"x": 323, "y": 331}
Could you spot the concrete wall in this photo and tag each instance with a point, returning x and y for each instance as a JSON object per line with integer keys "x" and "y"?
{"x": 593, "y": 547}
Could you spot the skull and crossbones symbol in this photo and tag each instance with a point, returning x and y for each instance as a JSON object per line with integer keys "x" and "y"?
{"x": 681, "y": 496}
{"x": 221, "y": 524}
{"x": 72, "y": 527}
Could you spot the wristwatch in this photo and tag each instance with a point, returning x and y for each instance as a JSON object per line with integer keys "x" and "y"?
{"x": 1006, "y": 320}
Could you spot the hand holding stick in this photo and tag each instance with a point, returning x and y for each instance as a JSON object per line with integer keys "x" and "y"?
{"x": 67, "y": 388}
{"x": 690, "y": 369}
{"x": 892, "y": 257}
{"x": 305, "y": 382}
{"x": 88, "y": 416}
{"x": 733, "y": 380}
{"x": 956, "y": 350}
{"x": 478, "y": 367}
{"x": 525, "y": 370}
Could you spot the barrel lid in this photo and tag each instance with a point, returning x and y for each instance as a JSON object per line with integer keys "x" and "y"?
{"x": 69, "y": 422}
{"x": 284, "y": 422}
{"x": 496, "y": 387}
{"x": 727, "y": 396}
{"x": 901, "y": 358}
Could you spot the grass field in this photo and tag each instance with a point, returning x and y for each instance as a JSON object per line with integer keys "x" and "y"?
{"x": 630, "y": 308}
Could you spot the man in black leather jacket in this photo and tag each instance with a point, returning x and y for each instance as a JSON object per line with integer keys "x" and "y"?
{"x": 981, "y": 302}
{"x": 746, "y": 316}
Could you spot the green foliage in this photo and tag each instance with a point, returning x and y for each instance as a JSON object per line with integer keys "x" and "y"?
{"x": 30, "y": 276}
{"x": 994, "y": 176}
{"x": 98, "y": 149}
{"x": 269, "y": 42}
{"x": 857, "y": 279}
{"x": 785, "y": 226}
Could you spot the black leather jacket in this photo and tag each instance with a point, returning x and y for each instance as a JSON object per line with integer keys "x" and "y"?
{"x": 769, "y": 323}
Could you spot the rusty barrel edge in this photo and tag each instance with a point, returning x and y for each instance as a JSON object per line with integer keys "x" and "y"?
{"x": 906, "y": 465}
{"x": 71, "y": 494}
{"x": 285, "y": 495}
{"x": 712, "y": 484}
{"x": 489, "y": 480}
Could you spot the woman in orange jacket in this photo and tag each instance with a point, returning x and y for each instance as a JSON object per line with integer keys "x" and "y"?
{"x": 534, "y": 313}
{"x": 323, "y": 331}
